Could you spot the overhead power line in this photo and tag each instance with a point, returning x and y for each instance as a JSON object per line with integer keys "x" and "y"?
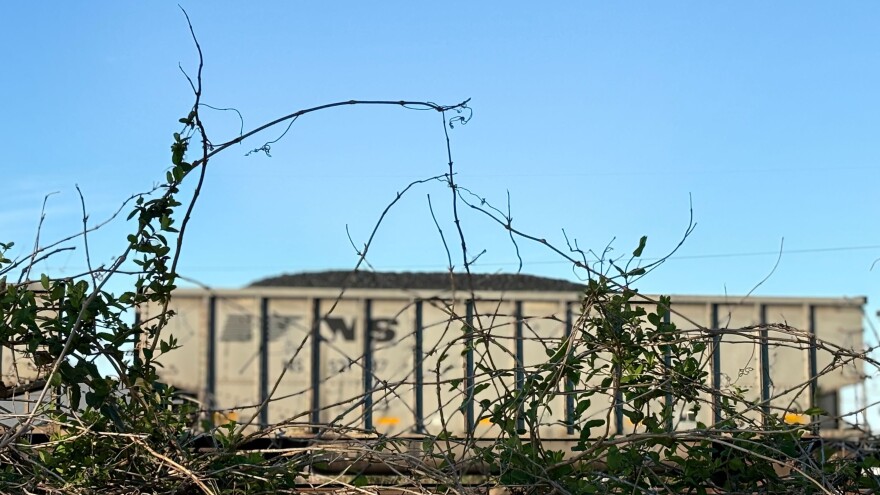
{"x": 742, "y": 254}
{"x": 776, "y": 253}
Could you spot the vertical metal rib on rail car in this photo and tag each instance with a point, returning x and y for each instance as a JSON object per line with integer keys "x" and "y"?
{"x": 211, "y": 378}
{"x": 814, "y": 372}
{"x": 667, "y": 361}
{"x": 569, "y": 384}
{"x": 138, "y": 345}
{"x": 764, "y": 342}
{"x": 469, "y": 365}
{"x": 618, "y": 393}
{"x": 316, "y": 365}
{"x": 520, "y": 359}
{"x": 419, "y": 363}
{"x": 368, "y": 364}
{"x": 264, "y": 362}
{"x": 716, "y": 365}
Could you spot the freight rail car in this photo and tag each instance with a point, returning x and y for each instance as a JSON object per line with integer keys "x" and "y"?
{"x": 390, "y": 357}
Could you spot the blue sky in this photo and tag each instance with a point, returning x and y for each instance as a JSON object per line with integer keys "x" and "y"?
{"x": 599, "y": 118}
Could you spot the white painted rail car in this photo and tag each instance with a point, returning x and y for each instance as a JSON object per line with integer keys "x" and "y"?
{"x": 396, "y": 361}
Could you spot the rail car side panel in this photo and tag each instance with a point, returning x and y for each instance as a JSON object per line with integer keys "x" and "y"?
{"x": 392, "y": 331}
{"x": 289, "y": 353}
{"x": 543, "y": 329}
{"x": 342, "y": 363}
{"x": 392, "y": 363}
{"x": 443, "y": 366}
{"x": 237, "y": 357}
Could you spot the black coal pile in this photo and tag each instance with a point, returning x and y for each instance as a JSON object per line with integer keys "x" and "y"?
{"x": 418, "y": 280}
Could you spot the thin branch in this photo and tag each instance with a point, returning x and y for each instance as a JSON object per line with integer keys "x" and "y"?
{"x": 229, "y": 109}
{"x": 179, "y": 468}
{"x": 85, "y": 232}
{"x": 442, "y": 237}
{"x": 75, "y": 235}
{"x": 767, "y": 277}
{"x": 26, "y": 273}
{"x": 295, "y": 115}
{"x": 266, "y": 147}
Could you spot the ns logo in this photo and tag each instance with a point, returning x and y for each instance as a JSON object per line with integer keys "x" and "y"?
{"x": 381, "y": 329}
{"x": 243, "y": 328}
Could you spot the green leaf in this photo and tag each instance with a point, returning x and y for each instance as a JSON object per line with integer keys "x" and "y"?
{"x": 44, "y": 281}
{"x": 109, "y": 411}
{"x": 360, "y": 480}
{"x": 581, "y": 407}
{"x": 614, "y": 459}
{"x": 635, "y": 416}
{"x": 816, "y": 411}
{"x": 638, "y": 251}
{"x": 593, "y": 423}
{"x": 75, "y": 396}
{"x": 479, "y": 388}
{"x": 45, "y": 456}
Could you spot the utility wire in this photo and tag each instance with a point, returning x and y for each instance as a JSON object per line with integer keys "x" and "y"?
{"x": 562, "y": 262}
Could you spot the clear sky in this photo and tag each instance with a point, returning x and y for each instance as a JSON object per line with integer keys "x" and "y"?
{"x": 599, "y": 118}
